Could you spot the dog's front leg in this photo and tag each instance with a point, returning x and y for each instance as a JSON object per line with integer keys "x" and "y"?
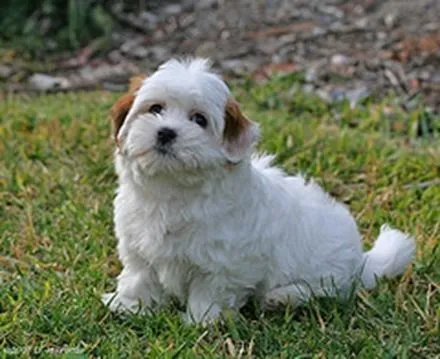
{"x": 138, "y": 289}
{"x": 203, "y": 305}
{"x": 207, "y": 298}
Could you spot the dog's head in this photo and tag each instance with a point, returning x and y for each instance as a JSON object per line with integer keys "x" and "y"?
{"x": 181, "y": 119}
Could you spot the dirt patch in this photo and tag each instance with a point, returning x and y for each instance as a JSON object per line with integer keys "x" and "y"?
{"x": 347, "y": 49}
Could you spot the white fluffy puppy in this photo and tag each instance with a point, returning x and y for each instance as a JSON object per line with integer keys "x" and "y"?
{"x": 198, "y": 219}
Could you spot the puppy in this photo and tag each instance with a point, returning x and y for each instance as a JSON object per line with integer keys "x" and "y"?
{"x": 198, "y": 218}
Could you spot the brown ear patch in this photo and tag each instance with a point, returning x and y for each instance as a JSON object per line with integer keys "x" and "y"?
{"x": 235, "y": 121}
{"x": 120, "y": 109}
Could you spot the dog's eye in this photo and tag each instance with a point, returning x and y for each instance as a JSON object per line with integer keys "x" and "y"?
{"x": 156, "y": 109}
{"x": 199, "y": 119}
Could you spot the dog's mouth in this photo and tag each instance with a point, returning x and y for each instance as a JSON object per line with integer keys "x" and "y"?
{"x": 162, "y": 151}
{"x": 138, "y": 154}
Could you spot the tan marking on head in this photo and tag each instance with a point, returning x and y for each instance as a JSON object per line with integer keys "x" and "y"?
{"x": 122, "y": 106}
{"x": 136, "y": 82}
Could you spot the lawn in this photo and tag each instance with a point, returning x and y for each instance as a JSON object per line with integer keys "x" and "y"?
{"x": 58, "y": 250}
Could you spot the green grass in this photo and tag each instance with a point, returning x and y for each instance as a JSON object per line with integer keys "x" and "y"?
{"x": 58, "y": 255}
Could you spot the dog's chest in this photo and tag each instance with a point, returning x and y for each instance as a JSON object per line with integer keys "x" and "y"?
{"x": 182, "y": 241}
{"x": 169, "y": 237}
{"x": 160, "y": 231}
{"x": 147, "y": 228}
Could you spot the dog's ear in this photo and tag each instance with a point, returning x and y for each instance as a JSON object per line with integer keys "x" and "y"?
{"x": 239, "y": 133}
{"x": 122, "y": 106}
{"x": 119, "y": 112}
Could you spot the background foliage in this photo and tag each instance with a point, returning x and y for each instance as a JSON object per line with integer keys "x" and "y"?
{"x": 56, "y": 24}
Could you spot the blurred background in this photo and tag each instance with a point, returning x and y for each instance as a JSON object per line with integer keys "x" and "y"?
{"x": 342, "y": 50}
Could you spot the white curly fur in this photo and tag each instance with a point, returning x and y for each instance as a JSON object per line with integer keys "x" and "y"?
{"x": 193, "y": 226}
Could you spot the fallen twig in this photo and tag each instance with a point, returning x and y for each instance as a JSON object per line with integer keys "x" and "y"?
{"x": 424, "y": 184}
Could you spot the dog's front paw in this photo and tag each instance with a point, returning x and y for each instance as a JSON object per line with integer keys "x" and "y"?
{"x": 119, "y": 304}
{"x": 279, "y": 297}
{"x": 204, "y": 316}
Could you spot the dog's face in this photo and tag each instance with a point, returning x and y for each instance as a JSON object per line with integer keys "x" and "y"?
{"x": 181, "y": 120}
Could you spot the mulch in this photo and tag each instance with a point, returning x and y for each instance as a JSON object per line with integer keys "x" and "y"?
{"x": 346, "y": 49}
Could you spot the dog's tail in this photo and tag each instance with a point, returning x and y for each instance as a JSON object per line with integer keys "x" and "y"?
{"x": 390, "y": 255}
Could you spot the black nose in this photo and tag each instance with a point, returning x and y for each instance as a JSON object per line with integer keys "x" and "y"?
{"x": 165, "y": 135}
